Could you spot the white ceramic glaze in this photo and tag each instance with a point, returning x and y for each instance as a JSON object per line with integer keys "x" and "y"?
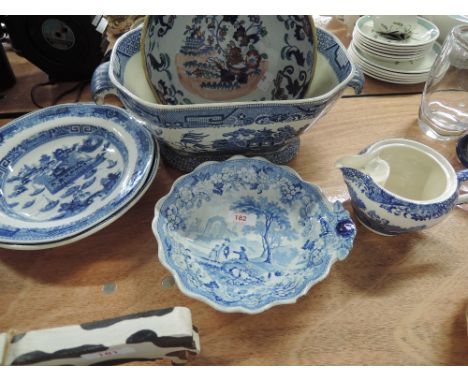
{"x": 424, "y": 33}
{"x": 387, "y": 54}
{"x": 422, "y": 65}
{"x": 369, "y": 163}
{"x": 396, "y": 70}
{"x": 420, "y": 191}
{"x": 390, "y": 49}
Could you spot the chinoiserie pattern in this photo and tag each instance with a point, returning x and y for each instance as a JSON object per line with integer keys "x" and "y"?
{"x": 86, "y": 162}
{"x": 192, "y": 134}
{"x": 225, "y": 58}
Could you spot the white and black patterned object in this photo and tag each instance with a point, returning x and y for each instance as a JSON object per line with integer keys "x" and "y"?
{"x": 157, "y": 334}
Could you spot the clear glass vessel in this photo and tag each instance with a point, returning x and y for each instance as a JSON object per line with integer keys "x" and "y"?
{"x": 443, "y": 113}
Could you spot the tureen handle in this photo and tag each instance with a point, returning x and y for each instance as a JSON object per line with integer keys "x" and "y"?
{"x": 462, "y": 177}
{"x": 101, "y": 84}
{"x": 357, "y": 82}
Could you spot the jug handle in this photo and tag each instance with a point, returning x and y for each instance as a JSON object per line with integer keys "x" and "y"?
{"x": 357, "y": 82}
{"x": 101, "y": 85}
{"x": 462, "y": 177}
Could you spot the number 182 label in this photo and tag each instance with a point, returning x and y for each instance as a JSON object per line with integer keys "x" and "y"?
{"x": 242, "y": 218}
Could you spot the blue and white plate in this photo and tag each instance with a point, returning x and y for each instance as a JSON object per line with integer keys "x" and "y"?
{"x": 244, "y": 235}
{"x": 68, "y": 168}
{"x": 100, "y": 225}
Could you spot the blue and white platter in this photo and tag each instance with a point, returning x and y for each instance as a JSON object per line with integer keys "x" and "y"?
{"x": 102, "y": 224}
{"x": 68, "y": 171}
{"x": 244, "y": 235}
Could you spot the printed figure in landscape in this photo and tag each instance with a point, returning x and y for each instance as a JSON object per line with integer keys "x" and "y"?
{"x": 226, "y": 249}
{"x": 242, "y": 254}
{"x": 214, "y": 253}
{"x": 220, "y": 252}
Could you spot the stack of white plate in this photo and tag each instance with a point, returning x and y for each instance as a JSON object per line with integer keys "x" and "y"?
{"x": 70, "y": 170}
{"x": 406, "y": 61}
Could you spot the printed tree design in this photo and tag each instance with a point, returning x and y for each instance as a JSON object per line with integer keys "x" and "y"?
{"x": 193, "y": 140}
{"x": 275, "y": 219}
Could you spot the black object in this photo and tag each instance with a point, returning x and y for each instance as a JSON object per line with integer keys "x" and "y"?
{"x": 7, "y": 77}
{"x": 67, "y": 48}
{"x": 462, "y": 150}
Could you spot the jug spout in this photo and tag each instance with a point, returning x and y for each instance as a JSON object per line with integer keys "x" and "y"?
{"x": 369, "y": 164}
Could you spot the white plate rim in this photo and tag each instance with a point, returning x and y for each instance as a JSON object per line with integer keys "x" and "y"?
{"x": 366, "y": 18}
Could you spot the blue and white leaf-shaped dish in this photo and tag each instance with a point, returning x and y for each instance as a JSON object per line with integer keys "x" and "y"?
{"x": 55, "y": 178}
{"x": 244, "y": 234}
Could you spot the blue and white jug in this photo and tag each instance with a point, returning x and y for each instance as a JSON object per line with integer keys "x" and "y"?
{"x": 399, "y": 186}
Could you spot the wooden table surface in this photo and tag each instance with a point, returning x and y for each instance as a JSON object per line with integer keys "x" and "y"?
{"x": 394, "y": 300}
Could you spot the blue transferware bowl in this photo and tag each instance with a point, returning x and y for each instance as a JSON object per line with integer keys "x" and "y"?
{"x": 244, "y": 235}
{"x": 201, "y": 59}
{"x": 192, "y": 134}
